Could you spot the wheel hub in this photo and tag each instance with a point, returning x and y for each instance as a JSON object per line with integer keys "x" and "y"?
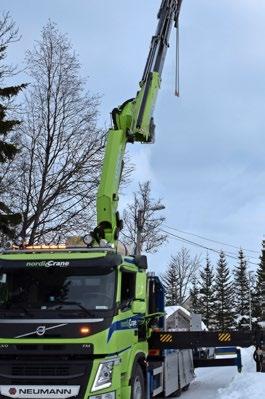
{"x": 137, "y": 389}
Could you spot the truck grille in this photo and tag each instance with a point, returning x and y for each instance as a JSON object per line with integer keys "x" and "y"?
{"x": 36, "y": 367}
{"x": 16, "y": 371}
{"x": 45, "y": 370}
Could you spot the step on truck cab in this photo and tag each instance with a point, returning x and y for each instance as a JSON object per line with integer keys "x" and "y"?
{"x": 74, "y": 323}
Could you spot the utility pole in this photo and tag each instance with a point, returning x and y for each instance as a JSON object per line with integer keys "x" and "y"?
{"x": 263, "y": 285}
{"x": 250, "y": 299}
{"x": 140, "y": 226}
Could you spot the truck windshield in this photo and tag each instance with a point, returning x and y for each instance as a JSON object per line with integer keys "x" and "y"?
{"x": 56, "y": 289}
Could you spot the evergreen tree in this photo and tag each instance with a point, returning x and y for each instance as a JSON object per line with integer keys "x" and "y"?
{"x": 8, "y": 149}
{"x": 179, "y": 275}
{"x": 195, "y": 296}
{"x": 224, "y": 296}
{"x": 207, "y": 297}
{"x": 241, "y": 289}
{"x": 170, "y": 283}
{"x": 259, "y": 294}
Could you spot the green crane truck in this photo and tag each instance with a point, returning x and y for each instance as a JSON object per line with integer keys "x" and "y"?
{"x": 75, "y": 322}
{"x": 88, "y": 322}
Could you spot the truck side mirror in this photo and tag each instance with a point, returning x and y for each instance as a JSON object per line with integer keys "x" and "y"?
{"x": 140, "y": 286}
{"x": 3, "y": 288}
{"x": 141, "y": 261}
{"x": 138, "y": 307}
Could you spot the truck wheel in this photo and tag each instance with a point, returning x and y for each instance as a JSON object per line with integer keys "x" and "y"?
{"x": 138, "y": 388}
{"x": 176, "y": 394}
{"x": 186, "y": 387}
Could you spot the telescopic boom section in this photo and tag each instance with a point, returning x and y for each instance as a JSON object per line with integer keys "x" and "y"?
{"x": 133, "y": 121}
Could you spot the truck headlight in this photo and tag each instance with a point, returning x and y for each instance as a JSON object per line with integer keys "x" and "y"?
{"x": 104, "y": 375}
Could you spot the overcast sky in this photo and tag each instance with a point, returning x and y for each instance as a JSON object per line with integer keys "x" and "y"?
{"x": 208, "y": 161}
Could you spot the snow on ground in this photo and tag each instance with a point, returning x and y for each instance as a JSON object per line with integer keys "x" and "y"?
{"x": 227, "y": 383}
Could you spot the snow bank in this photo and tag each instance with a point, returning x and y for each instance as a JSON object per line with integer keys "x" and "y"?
{"x": 248, "y": 384}
{"x": 227, "y": 383}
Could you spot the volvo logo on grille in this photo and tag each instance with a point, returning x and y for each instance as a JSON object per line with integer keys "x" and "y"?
{"x": 41, "y": 330}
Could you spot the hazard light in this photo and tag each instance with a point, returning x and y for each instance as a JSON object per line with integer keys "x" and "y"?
{"x": 154, "y": 352}
{"x": 59, "y": 246}
{"x": 84, "y": 330}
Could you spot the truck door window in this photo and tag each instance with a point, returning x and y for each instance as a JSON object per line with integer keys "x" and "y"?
{"x": 3, "y": 288}
{"x": 127, "y": 288}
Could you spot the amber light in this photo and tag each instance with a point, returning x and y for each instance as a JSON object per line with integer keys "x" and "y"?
{"x": 59, "y": 246}
{"x": 154, "y": 352}
{"x": 85, "y": 330}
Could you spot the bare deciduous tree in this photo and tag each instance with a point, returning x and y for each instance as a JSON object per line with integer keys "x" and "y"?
{"x": 178, "y": 278}
{"x": 8, "y": 34}
{"x": 61, "y": 146}
{"x": 143, "y": 214}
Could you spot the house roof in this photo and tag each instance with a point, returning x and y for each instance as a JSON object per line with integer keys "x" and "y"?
{"x": 172, "y": 309}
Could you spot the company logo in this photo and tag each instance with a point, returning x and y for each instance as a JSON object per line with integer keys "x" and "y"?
{"x": 129, "y": 323}
{"x": 133, "y": 323}
{"x": 39, "y": 392}
{"x": 125, "y": 324}
{"x": 44, "y": 391}
{"x": 41, "y": 330}
{"x": 49, "y": 263}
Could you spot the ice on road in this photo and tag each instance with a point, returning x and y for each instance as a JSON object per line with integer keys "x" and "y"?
{"x": 227, "y": 383}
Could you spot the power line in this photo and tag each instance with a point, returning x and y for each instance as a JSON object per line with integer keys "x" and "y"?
{"x": 185, "y": 240}
{"x": 211, "y": 240}
{"x": 194, "y": 243}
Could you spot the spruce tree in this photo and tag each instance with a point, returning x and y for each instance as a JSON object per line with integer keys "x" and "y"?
{"x": 195, "y": 296}
{"x": 259, "y": 294}
{"x": 207, "y": 294}
{"x": 241, "y": 289}
{"x": 170, "y": 283}
{"x": 8, "y": 149}
{"x": 224, "y": 296}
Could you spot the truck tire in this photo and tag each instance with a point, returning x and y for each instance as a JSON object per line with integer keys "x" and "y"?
{"x": 176, "y": 394}
{"x": 186, "y": 387}
{"x": 137, "y": 383}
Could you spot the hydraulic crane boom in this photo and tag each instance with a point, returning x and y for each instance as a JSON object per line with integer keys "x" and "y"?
{"x": 132, "y": 121}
